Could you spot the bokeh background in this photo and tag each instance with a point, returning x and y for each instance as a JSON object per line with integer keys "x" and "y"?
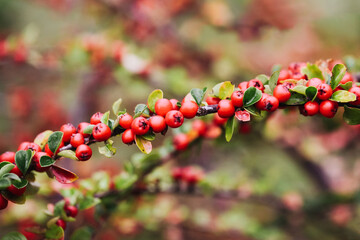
{"x": 63, "y": 60}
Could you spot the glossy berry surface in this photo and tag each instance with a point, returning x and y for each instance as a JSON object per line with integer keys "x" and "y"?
{"x": 181, "y": 141}
{"x": 174, "y": 103}
{"x": 101, "y": 132}
{"x": 356, "y": 91}
{"x": 212, "y": 100}
{"x": 76, "y": 140}
{"x": 140, "y": 126}
{"x": 225, "y": 108}
{"x": 237, "y": 98}
{"x": 314, "y": 82}
{"x": 256, "y": 83}
{"x": 96, "y": 118}
{"x": 189, "y": 109}
{"x": 31, "y": 146}
{"x": 16, "y": 171}
{"x": 68, "y": 130}
{"x": 128, "y": 136}
{"x": 61, "y": 223}
{"x": 163, "y": 106}
{"x": 219, "y": 120}
{"x": 83, "y": 152}
{"x": 80, "y": 129}
{"x": 324, "y": 91}
{"x": 174, "y": 119}
{"x": 125, "y": 121}
{"x": 328, "y": 108}
{"x": 282, "y": 93}
{"x": 7, "y": 157}
{"x": 157, "y": 123}
{"x": 16, "y": 191}
{"x": 310, "y": 108}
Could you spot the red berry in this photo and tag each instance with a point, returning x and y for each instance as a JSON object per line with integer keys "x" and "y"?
{"x": 76, "y": 140}
{"x": 347, "y": 78}
{"x": 284, "y": 74}
{"x": 282, "y": 93}
{"x": 157, "y": 123}
{"x": 140, "y": 126}
{"x": 16, "y": 191}
{"x": 237, "y": 98}
{"x": 225, "y": 108}
{"x": 243, "y": 86}
{"x": 177, "y": 173}
{"x": 128, "y": 136}
{"x": 83, "y": 152}
{"x": 71, "y": 211}
{"x": 101, "y": 132}
{"x": 51, "y": 154}
{"x": 219, "y": 120}
{"x": 212, "y": 100}
{"x": 31, "y": 146}
{"x": 189, "y": 109}
{"x": 181, "y": 141}
{"x": 3, "y": 202}
{"x": 16, "y": 171}
{"x": 125, "y": 121}
{"x": 7, "y": 157}
{"x": 199, "y": 126}
{"x": 314, "y": 82}
{"x": 324, "y": 91}
{"x": 61, "y": 223}
{"x": 296, "y": 67}
{"x": 68, "y": 130}
{"x": 310, "y": 109}
{"x": 256, "y": 83}
{"x": 267, "y": 103}
{"x": 163, "y": 106}
{"x": 23, "y": 145}
{"x": 80, "y": 129}
{"x": 328, "y": 108}
{"x": 96, "y": 118}
{"x": 356, "y": 91}
{"x": 36, "y": 160}
{"x": 174, "y": 119}
{"x": 174, "y": 104}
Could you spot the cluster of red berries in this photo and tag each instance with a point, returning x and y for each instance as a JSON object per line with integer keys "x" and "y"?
{"x": 189, "y": 175}
{"x": 71, "y": 211}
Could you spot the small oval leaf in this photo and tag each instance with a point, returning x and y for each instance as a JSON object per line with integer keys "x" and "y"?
{"x": 273, "y": 80}
{"x": 251, "y": 96}
{"x": 23, "y": 160}
{"x": 296, "y": 99}
{"x": 229, "y": 128}
{"x": 63, "y": 175}
{"x": 311, "y": 93}
{"x": 116, "y": 106}
{"x": 153, "y": 97}
{"x": 343, "y": 96}
{"x": 198, "y": 95}
{"x": 144, "y": 145}
{"x": 46, "y": 161}
{"x": 351, "y": 115}
{"x": 68, "y": 154}
{"x": 55, "y": 140}
{"x": 226, "y": 89}
{"x": 338, "y": 73}
{"x": 42, "y": 138}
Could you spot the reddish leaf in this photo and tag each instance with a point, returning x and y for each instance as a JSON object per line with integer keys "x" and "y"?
{"x": 63, "y": 175}
{"x": 243, "y": 116}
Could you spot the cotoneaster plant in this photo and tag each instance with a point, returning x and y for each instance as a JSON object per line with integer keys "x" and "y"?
{"x": 310, "y": 87}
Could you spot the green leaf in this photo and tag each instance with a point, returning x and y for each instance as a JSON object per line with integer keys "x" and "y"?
{"x": 13, "y": 177}
{"x": 299, "y": 89}
{"x": 88, "y": 129}
{"x": 296, "y": 99}
{"x": 347, "y": 85}
{"x": 153, "y": 97}
{"x": 88, "y": 202}
{"x": 311, "y": 93}
{"x": 253, "y": 111}
{"x": 263, "y": 78}
{"x": 144, "y": 145}
{"x": 46, "y": 161}
{"x": 141, "y": 110}
{"x": 23, "y": 160}
{"x": 125, "y": 181}
{"x": 63, "y": 175}
{"x": 83, "y": 233}
{"x": 226, "y": 89}
{"x": 215, "y": 90}
{"x": 150, "y": 136}
{"x": 5, "y": 183}
{"x": 251, "y": 96}
{"x": 5, "y": 168}
{"x": 13, "y": 198}
{"x": 338, "y": 73}
{"x": 105, "y": 118}
{"x": 198, "y": 95}
{"x": 343, "y": 96}
{"x": 68, "y": 154}
{"x": 54, "y": 232}
{"x": 23, "y": 183}
{"x": 108, "y": 150}
{"x": 276, "y": 67}
{"x": 13, "y": 236}
{"x": 351, "y": 115}
{"x": 229, "y": 128}
{"x": 312, "y": 71}
{"x": 116, "y": 106}
{"x": 55, "y": 140}
{"x": 42, "y": 138}
{"x": 273, "y": 80}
